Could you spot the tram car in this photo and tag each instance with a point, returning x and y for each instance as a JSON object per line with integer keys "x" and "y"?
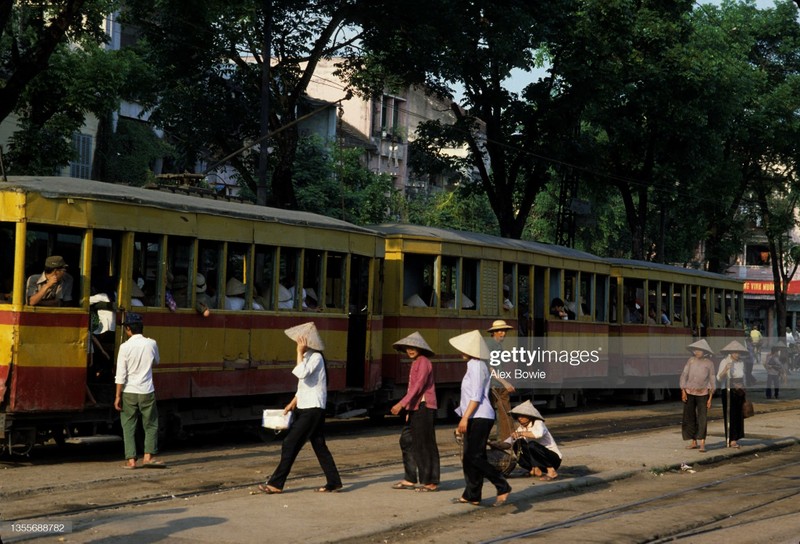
{"x": 630, "y": 319}
{"x": 169, "y": 254}
{"x": 160, "y": 253}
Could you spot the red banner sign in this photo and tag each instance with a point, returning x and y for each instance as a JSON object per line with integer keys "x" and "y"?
{"x": 768, "y": 288}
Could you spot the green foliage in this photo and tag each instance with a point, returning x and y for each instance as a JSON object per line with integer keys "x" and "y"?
{"x": 460, "y": 209}
{"x": 133, "y": 149}
{"x": 332, "y": 181}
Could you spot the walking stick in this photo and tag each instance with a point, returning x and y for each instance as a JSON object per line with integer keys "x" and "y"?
{"x": 727, "y": 418}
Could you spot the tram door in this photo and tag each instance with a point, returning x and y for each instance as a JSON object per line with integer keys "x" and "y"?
{"x": 357, "y": 322}
{"x": 104, "y": 280}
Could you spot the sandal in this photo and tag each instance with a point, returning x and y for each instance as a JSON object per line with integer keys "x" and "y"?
{"x": 547, "y": 478}
{"x": 401, "y": 485}
{"x": 462, "y": 500}
{"x": 268, "y": 489}
{"x": 426, "y": 489}
{"x": 501, "y": 499}
{"x": 329, "y": 489}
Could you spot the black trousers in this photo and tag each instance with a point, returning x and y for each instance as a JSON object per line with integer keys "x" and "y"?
{"x": 418, "y": 445}
{"x": 695, "y": 417}
{"x": 532, "y": 454}
{"x": 309, "y": 425}
{"x": 736, "y": 423}
{"x": 476, "y": 466}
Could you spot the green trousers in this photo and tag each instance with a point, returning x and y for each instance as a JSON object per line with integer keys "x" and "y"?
{"x": 137, "y": 406}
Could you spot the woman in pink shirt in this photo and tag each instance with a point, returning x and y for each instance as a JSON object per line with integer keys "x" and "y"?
{"x": 418, "y": 437}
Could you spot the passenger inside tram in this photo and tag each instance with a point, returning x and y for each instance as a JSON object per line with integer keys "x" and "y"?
{"x": 234, "y": 294}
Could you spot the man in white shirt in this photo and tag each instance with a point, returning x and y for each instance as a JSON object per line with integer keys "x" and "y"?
{"x": 136, "y": 397}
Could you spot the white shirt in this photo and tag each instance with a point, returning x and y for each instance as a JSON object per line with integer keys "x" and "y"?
{"x": 135, "y": 362}
{"x": 540, "y": 434}
{"x": 737, "y": 369}
{"x": 234, "y": 303}
{"x": 312, "y": 387}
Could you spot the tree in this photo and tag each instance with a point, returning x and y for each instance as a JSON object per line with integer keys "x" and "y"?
{"x": 30, "y": 33}
{"x": 214, "y": 60}
{"x": 477, "y": 45}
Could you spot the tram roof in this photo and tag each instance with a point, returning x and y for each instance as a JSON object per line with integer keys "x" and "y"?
{"x": 458, "y": 236}
{"x": 67, "y": 187}
{"x": 672, "y": 269}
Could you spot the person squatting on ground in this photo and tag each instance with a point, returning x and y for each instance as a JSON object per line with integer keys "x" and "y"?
{"x": 135, "y": 396}
{"x": 477, "y": 418}
{"x": 697, "y": 389}
{"x": 501, "y": 388}
{"x": 308, "y": 405}
{"x": 418, "y": 437}
{"x": 731, "y": 369}
{"x": 538, "y": 451}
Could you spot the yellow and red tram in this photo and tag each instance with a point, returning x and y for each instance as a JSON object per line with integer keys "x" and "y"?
{"x": 262, "y": 270}
{"x": 159, "y": 245}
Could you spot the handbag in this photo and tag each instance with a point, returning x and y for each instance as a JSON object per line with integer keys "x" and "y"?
{"x": 747, "y": 409}
{"x": 276, "y": 419}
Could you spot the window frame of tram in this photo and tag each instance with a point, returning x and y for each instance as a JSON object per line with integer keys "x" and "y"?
{"x": 419, "y": 273}
{"x": 264, "y": 276}
{"x": 509, "y": 281}
{"x": 633, "y": 294}
{"x": 290, "y": 266}
{"x": 237, "y": 267}
{"x": 147, "y": 257}
{"x": 43, "y": 241}
{"x": 335, "y": 288}
{"x": 180, "y": 262}
{"x": 470, "y": 278}
{"x": 448, "y": 283}
{"x": 359, "y": 284}
{"x": 600, "y": 301}
{"x": 8, "y": 243}
{"x": 209, "y": 264}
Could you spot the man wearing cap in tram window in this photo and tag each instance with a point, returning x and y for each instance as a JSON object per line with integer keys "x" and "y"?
{"x": 697, "y": 388}
{"x": 53, "y": 287}
{"x": 418, "y": 437}
{"x": 501, "y": 388}
{"x": 136, "y": 397}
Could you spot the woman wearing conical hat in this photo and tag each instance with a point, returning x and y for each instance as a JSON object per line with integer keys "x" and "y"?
{"x": 418, "y": 437}
{"x": 731, "y": 369}
{"x": 477, "y": 418}
{"x": 539, "y": 453}
{"x": 309, "y": 412}
{"x": 697, "y": 388}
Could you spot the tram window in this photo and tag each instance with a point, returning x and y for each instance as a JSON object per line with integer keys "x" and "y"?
{"x": 632, "y": 297}
{"x": 44, "y": 241}
{"x": 679, "y": 305}
{"x": 312, "y": 282}
{"x": 664, "y": 317}
{"x": 359, "y": 284}
{"x": 264, "y": 273}
{"x": 570, "y": 285}
{"x": 105, "y": 264}
{"x": 555, "y": 284}
{"x": 180, "y": 263}
{"x": 377, "y": 288}
{"x": 448, "y": 282}
{"x": 209, "y": 257}
{"x": 146, "y": 274}
{"x": 237, "y": 286}
{"x": 719, "y": 309}
{"x": 600, "y": 298}
{"x": 418, "y": 280}
{"x": 7, "y": 243}
{"x": 334, "y": 281}
{"x": 509, "y": 286}
{"x": 469, "y": 284}
{"x": 613, "y": 314}
{"x": 523, "y": 299}
{"x": 289, "y": 270}
{"x": 583, "y": 306}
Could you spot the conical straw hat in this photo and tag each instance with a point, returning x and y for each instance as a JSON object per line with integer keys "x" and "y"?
{"x": 526, "y": 409}
{"x": 701, "y": 345}
{"x": 734, "y": 347}
{"x": 136, "y": 291}
{"x": 284, "y": 295}
{"x": 415, "y": 301}
{"x": 471, "y": 343}
{"x": 309, "y": 331}
{"x": 234, "y": 287}
{"x": 466, "y": 302}
{"x": 413, "y": 340}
